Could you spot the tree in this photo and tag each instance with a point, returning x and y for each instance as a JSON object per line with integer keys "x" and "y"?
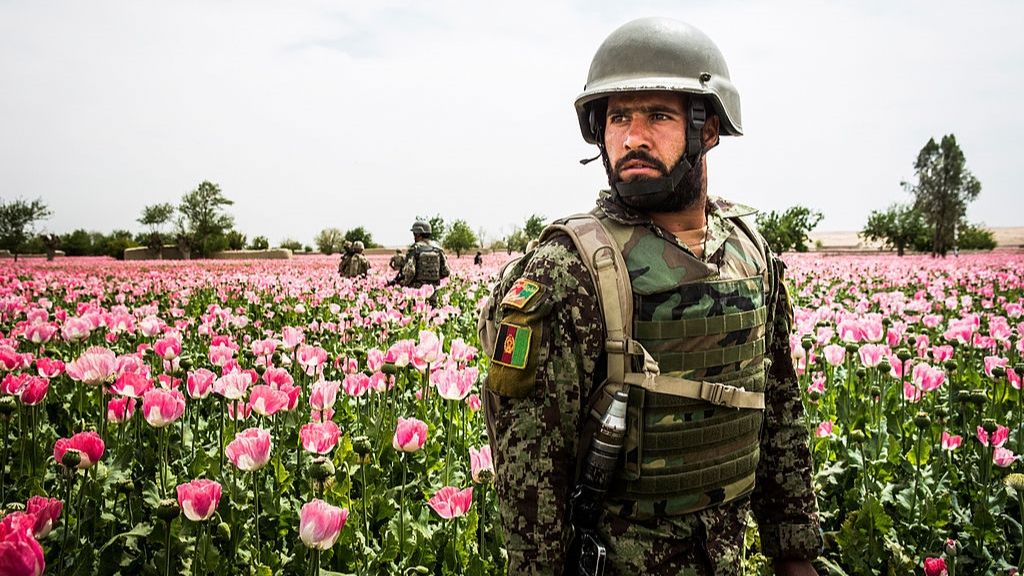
{"x": 437, "y": 226}
{"x": 899, "y": 227}
{"x": 533, "y": 227}
{"x": 259, "y": 243}
{"x": 156, "y": 215}
{"x": 329, "y": 240}
{"x": 516, "y": 241}
{"x": 788, "y": 230}
{"x": 115, "y": 244}
{"x": 360, "y": 234}
{"x": 203, "y": 218}
{"x": 235, "y": 240}
{"x": 17, "y": 222}
{"x": 291, "y": 244}
{"x": 943, "y": 189}
{"x": 77, "y": 243}
{"x": 460, "y": 238}
{"x": 975, "y": 237}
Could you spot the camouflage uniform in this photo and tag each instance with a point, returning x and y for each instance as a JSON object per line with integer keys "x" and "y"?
{"x": 397, "y": 261}
{"x": 354, "y": 265}
{"x": 536, "y": 414}
{"x": 411, "y": 273}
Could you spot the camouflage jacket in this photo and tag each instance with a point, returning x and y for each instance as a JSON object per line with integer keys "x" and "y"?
{"x": 353, "y": 265}
{"x": 535, "y": 431}
{"x": 409, "y": 275}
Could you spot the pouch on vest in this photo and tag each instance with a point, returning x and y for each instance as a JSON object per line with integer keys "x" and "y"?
{"x": 428, "y": 266}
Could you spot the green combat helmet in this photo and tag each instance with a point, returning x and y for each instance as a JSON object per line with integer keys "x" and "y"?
{"x": 420, "y": 227}
{"x": 358, "y": 247}
{"x": 659, "y": 54}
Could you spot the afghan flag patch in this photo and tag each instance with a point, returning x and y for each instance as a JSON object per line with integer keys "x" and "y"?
{"x": 512, "y": 346}
{"x": 521, "y": 293}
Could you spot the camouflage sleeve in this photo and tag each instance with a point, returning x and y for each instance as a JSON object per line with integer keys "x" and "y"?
{"x": 444, "y": 271}
{"x": 534, "y": 413}
{"x": 408, "y": 272}
{"x": 784, "y": 501}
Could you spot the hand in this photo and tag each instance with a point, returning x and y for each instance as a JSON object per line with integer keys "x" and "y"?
{"x": 794, "y": 568}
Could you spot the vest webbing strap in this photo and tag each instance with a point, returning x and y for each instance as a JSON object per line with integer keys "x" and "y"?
{"x": 713, "y": 392}
{"x": 690, "y": 327}
{"x": 703, "y": 359}
{"x": 706, "y": 475}
{"x": 675, "y": 441}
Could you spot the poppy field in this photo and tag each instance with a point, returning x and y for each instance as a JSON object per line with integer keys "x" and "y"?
{"x": 273, "y": 418}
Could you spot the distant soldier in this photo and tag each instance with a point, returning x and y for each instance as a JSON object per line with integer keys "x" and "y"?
{"x": 397, "y": 261}
{"x": 425, "y": 262}
{"x": 354, "y": 263}
{"x": 478, "y": 259}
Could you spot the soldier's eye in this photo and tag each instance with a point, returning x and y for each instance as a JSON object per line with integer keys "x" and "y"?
{"x": 616, "y": 118}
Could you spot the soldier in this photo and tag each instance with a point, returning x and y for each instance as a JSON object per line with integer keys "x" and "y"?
{"x": 691, "y": 326}
{"x": 425, "y": 261}
{"x": 397, "y": 261}
{"x": 479, "y": 258}
{"x": 355, "y": 263}
{"x": 346, "y": 256}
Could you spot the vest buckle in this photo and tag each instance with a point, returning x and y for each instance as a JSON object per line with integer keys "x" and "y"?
{"x": 719, "y": 394}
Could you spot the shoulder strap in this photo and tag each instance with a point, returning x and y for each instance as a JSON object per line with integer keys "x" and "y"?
{"x": 601, "y": 256}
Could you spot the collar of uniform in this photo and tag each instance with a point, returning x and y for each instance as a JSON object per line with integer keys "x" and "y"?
{"x": 719, "y": 212}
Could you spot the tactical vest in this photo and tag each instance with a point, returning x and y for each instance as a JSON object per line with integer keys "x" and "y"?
{"x": 428, "y": 264}
{"x": 688, "y": 339}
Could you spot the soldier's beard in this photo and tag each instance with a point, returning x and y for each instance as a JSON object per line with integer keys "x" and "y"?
{"x": 690, "y": 191}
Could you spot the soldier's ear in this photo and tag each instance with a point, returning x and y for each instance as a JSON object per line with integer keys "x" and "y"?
{"x": 709, "y": 133}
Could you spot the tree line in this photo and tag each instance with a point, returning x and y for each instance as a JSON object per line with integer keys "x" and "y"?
{"x": 933, "y": 221}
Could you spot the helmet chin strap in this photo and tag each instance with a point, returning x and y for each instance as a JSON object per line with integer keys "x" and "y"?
{"x": 649, "y": 187}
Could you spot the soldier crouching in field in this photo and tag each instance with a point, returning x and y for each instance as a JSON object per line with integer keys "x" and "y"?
{"x": 641, "y": 398}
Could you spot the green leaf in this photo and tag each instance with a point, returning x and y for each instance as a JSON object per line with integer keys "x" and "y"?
{"x": 912, "y": 454}
{"x": 139, "y": 531}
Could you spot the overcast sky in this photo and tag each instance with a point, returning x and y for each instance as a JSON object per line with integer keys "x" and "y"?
{"x": 319, "y": 114}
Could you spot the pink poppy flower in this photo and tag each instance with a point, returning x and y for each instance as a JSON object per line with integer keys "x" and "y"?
{"x": 13, "y": 384}
{"x": 162, "y": 407}
{"x": 277, "y": 377}
{"x": 89, "y": 445}
{"x": 453, "y": 384}
{"x": 319, "y": 438}
{"x": 46, "y": 511}
{"x": 20, "y": 553}
{"x": 199, "y": 499}
{"x": 480, "y": 461}
{"x": 450, "y": 502}
{"x": 95, "y": 366}
{"x": 834, "y": 354}
{"x": 928, "y": 378}
{"x": 381, "y": 382}
{"x": 312, "y": 359}
{"x": 871, "y": 354}
{"x": 942, "y": 353}
{"x": 997, "y": 439}
{"x": 462, "y": 352}
{"x": 935, "y": 567}
{"x": 250, "y": 450}
{"x": 410, "y": 435}
{"x": 400, "y": 353}
{"x": 267, "y": 400}
{"x": 911, "y": 393}
{"x": 473, "y": 401}
{"x": 950, "y": 441}
{"x": 324, "y": 394}
{"x": 132, "y": 385}
{"x": 151, "y": 326}
{"x": 168, "y": 347}
{"x": 239, "y": 410}
{"x": 356, "y": 384}
{"x": 120, "y": 409}
{"x": 320, "y": 524}
{"x": 75, "y": 329}
{"x": 34, "y": 390}
{"x": 221, "y": 354}
{"x": 824, "y": 429}
{"x": 1003, "y": 457}
{"x": 199, "y": 384}
{"x": 40, "y": 333}
{"x": 49, "y": 368}
{"x": 374, "y": 359}
{"x": 993, "y": 362}
{"x": 232, "y": 386}
{"x": 427, "y": 351}
{"x": 292, "y": 337}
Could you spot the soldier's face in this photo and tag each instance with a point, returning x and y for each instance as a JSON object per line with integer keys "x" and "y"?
{"x": 645, "y": 134}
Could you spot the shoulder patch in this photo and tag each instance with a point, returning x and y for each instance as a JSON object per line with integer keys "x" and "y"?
{"x": 522, "y": 292}
{"x": 512, "y": 345}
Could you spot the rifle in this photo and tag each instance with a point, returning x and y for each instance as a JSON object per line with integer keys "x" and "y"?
{"x": 587, "y": 554}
